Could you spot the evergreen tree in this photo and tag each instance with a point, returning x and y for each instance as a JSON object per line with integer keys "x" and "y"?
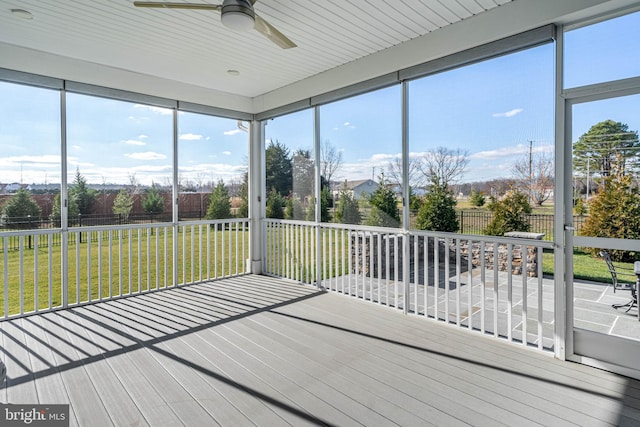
{"x": 21, "y": 211}
{"x": 476, "y": 198}
{"x": 56, "y": 212}
{"x": 243, "y": 209}
{"x": 84, "y": 196}
{"x": 294, "y": 209}
{"x": 437, "y": 212}
{"x": 122, "y": 204}
{"x": 615, "y": 213}
{"x": 347, "y": 210}
{"x": 153, "y": 202}
{"x": 509, "y": 214}
{"x": 608, "y": 148}
{"x": 219, "y": 202}
{"x": 275, "y": 205}
{"x": 278, "y": 168}
{"x": 384, "y": 207}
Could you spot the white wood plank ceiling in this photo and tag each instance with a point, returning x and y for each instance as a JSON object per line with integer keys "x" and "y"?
{"x": 193, "y": 47}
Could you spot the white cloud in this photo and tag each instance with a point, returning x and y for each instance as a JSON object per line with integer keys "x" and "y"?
{"x": 232, "y": 132}
{"x": 346, "y": 123}
{"x": 514, "y": 150}
{"x": 190, "y": 137}
{"x": 134, "y": 142}
{"x": 509, "y": 113}
{"x": 142, "y": 136}
{"x": 500, "y": 153}
{"x": 31, "y": 161}
{"x": 76, "y": 147}
{"x": 147, "y": 155}
{"x": 157, "y": 110}
{"x": 226, "y": 153}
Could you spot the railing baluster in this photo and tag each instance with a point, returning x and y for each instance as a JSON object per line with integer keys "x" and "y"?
{"x": 470, "y": 284}
{"x": 447, "y": 276}
{"x": 78, "y": 261}
{"x": 379, "y": 266}
{"x": 496, "y": 268}
{"x": 525, "y": 308}
{"x": 21, "y": 271}
{"x": 482, "y": 284}
{"x": 110, "y": 263}
{"x": 436, "y": 276}
{"x": 208, "y": 251}
{"x": 540, "y": 291}
{"x": 100, "y": 265}
{"x": 230, "y": 249}
{"x": 425, "y": 265}
{"x": 5, "y": 248}
{"x": 510, "y": 292}
{"x": 50, "y": 266}
{"x": 36, "y": 291}
{"x": 193, "y": 250}
{"x": 89, "y": 267}
{"x": 200, "y": 252}
{"x": 140, "y": 260}
{"x": 458, "y": 281}
{"x": 120, "y": 267}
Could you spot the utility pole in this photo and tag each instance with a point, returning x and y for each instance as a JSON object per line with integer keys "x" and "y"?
{"x": 530, "y": 171}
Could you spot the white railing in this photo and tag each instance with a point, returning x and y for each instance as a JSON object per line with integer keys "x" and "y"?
{"x": 452, "y": 278}
{"x": 43, "y": 270}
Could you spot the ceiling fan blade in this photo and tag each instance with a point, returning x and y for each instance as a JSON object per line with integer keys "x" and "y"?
{"x": 268, "y": 30}
{"x": 163, "y": 5}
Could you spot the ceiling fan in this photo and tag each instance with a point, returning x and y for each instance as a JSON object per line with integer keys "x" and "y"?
{"x": 235, "y": 14}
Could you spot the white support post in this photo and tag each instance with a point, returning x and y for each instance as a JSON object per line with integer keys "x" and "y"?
{"x": 406, "y": 246}
{"x": 563, "y": 213}
{"x": 256, "y": 196}
{"x": 64, "y": 202}
{"x": 175, "y": 195}
{"x": 318, "y": 189}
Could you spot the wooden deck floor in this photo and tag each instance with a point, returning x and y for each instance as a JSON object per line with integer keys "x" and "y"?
{"x": 259, "y": 351}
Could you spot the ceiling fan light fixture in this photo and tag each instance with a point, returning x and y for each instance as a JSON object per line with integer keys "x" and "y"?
{"x": 238, "y": 15}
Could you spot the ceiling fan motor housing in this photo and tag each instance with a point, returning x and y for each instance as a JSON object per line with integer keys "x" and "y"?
{"x": 238, "y": 14}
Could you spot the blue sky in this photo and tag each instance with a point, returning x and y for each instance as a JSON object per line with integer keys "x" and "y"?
{"x": 490, "y": 109}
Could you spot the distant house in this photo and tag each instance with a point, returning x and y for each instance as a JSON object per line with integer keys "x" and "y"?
{"x": 13, "y": 187}
{"x": 358, "y": 189}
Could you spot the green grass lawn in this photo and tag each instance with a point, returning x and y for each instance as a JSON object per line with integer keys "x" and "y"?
{"x": 137, "y": 264}
{"x": 586, "y": 267}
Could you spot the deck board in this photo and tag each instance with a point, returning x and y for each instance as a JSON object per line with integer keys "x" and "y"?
{"x": 255, "y": 350}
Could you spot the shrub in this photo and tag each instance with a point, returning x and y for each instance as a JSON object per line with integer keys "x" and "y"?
{"x": 580, "y": 208}
{"x": 152, "y": 202}
{"x": 477, "y": 199}
{"x": 615, "y": 213}
{"x": 294, "y": 209}
{"x": 275, "y": 203}
{"x": 219, "y": 202}
{"x": 347, "y": 211}
{"x": 122, "y": 204}
{"x": 384, "y": 207}
{"x": 509, "y": 214}
{"x": 437, "y": 212}
{"x": 21, "y": 211}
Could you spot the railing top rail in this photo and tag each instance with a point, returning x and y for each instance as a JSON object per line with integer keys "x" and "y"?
{"x": 289, "y": 222}
{"x": 30, "y": 232}
{"x": 545, "y": 244}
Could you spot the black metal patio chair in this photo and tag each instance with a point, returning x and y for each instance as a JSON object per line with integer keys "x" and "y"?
{"x": 621, "y": 271}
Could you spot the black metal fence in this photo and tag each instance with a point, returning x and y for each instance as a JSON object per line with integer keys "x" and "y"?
{"x": 90, "y": 220}
{"x": 475, "y": 221}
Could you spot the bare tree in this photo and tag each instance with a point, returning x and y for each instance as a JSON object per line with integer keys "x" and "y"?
{"x": 416, "y": 177}
{"x": 535, "y": 175}
{"x": 134, "y": 185}
{"x": 330, "y": 160}
{"x": 443, "y": 166}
